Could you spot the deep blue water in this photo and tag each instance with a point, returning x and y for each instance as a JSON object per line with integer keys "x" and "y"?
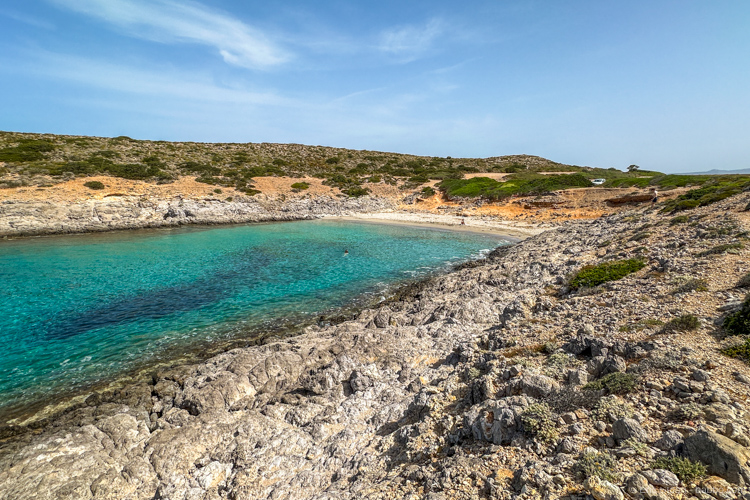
{"x": 78, "y": 310}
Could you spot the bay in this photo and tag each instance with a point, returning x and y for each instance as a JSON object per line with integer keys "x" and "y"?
{"x": 76, "y": 311}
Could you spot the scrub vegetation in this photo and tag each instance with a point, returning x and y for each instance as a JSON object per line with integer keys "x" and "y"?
{"x": 45, "y": 159}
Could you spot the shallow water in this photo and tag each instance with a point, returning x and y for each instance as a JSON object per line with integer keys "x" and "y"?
{"x": 79, "y": 310}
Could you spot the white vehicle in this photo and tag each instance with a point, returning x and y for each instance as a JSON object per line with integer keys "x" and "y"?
{"x": 598, "y": 182}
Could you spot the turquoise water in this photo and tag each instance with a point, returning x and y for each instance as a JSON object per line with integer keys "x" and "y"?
{"x": 80, "y": 310}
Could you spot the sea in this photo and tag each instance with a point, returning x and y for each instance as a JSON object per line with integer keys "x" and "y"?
{"x": 82, "y": 311}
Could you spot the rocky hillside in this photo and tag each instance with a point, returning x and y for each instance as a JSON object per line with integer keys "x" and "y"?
{"x": 527, "y": 375}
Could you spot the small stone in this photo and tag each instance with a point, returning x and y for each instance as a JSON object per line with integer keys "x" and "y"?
{"x": 600, "y": 426}
{"x": 701, "y": 375}
{"x": 576, "y": 428}
{"x": 639, "y": 485}
{"x": 578, "y": 377}
{"x": 628, "y": 428}
{"x": 567, "y": 445}
{"x": 603, "y": 490}
{"x": 661, "y": 477}
{"x": 569, "y": 417}
{"x": 669, "y": 440}
{"x": 739, "y": 377}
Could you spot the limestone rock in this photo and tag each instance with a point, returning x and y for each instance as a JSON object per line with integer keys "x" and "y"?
{"x": 724, "y": 457}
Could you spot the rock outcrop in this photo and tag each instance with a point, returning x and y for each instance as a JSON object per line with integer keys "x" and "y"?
{"x": 29, "y": 218}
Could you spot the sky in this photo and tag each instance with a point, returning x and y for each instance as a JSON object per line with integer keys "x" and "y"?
{"x": 658, "y": 83}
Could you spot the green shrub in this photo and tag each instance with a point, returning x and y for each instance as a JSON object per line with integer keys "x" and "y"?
{"x": 217, "y": 191}
{"x": 601, "y": 465}
{"x": 738, "y": 323}
{"x": 332, "y": 160}
{"x": 612, "y": 408}
{"x": 490, "y": 189}
{"x": 94, "y": 185}
{"x": 355, "y": 192}
{"x": 739, "y": 351}
{"x": 614, "y": 383}
{"x": 683, "y": 323}
{"x": 28, "y": 150}
{"x": 374, "y": 179}
{"x": 428, "y": 191}
{"x": 640, "y": 236}
{"x": 719, "y": 249}
{"x": 680, "y": 219}
{"x": 538, "y": 421}
{"x": 300, "y": 186}
{"x": 590, "y": 276}
{"x": 683, "y": 468}
{"x": 687, "y": 412}
{"x": 694, "y": 284}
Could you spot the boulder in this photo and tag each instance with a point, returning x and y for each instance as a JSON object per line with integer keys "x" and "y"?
{"x": 724, "y": 457}
{"x": 661, "y": 477}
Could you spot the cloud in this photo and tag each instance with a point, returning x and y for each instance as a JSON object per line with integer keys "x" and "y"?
{"x": 170, "y": 21}
{"x": 409, "y": 42}
{"x": 32, "y": 21}
{"x": 165, "y": 83}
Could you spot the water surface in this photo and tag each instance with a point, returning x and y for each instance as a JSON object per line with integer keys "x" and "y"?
{"x": 80, "y": 310}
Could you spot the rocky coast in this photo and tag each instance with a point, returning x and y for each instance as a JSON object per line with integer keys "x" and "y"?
{"x": 497, "y": 380}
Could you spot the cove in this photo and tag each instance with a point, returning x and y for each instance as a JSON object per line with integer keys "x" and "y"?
{"x": 77, "y": 311}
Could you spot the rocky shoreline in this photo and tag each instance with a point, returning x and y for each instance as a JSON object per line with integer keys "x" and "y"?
{"x": 470, "y": 386}
{"x": 35, "y": 218}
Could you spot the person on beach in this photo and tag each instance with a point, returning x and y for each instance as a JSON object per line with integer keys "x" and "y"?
{"x": 463, "y": 222}
{"x": 656, "y": 196}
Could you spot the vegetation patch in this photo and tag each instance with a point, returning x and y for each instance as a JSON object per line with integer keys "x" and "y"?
{"x": 538, "y": 421}
{"x": 683, "y": 323}
{"x": 725, "y": 248}
{"x": 679, "y": 219}
{"x": 590, "y": 276}
{"x": 692, "y": 285}
{"x": 712, "y": 190}
{"x": 27, "y": 150}
{"x": 739, "y": 322}
{"x": 602, "y": 465}
{"x": 684, "y": 468}
{"x": 611, "y": 408}
{"x": 300, "y": 186}
{"x": 614, "y": 383}
{"x": 490, "y": 189}
{"x": 94, "y": 185}
{"x": 739, "y": 351}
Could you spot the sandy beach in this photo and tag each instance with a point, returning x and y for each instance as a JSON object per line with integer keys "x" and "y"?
{"x": 515, "y": 230}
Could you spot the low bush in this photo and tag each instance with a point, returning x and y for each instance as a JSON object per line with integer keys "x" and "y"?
{"x": 300, "y": 186}
{"x": 614, "y": 383}
{"x": 692, "y": 285}
{"x": 428, "y": 191}
{"x": 679, "y": 219}
{"x": 684, "y": 468}
{"x": 738, "y": 323}
{"x": 94, "y": 185}
{"x": 739, "y": 351}
{"x": 356, "y": 191}
{"x": 725, "y": 248}
{"x": 683, "y": 323}
{"x": 602, "y": 465}
{"x": 590, "y": 276}
{"x": 538, "y": 421}
{"x": 611, "y": 408}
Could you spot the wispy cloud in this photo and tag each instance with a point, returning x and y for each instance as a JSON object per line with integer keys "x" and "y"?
{"x": 23, "y": 18}
{"x": 170, "y": 21}
{"x": 165, "y": 83}
{"x": 409, "y": 42}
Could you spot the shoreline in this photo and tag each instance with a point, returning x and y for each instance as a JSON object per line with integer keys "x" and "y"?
{"x": 515, "y": 231}
{"x": 20, "y": 418}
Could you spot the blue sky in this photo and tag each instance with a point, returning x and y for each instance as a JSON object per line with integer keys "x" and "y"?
{"x": 663, "y": 84}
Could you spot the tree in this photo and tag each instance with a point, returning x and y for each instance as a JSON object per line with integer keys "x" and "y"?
{"x": 633, "y": 168}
